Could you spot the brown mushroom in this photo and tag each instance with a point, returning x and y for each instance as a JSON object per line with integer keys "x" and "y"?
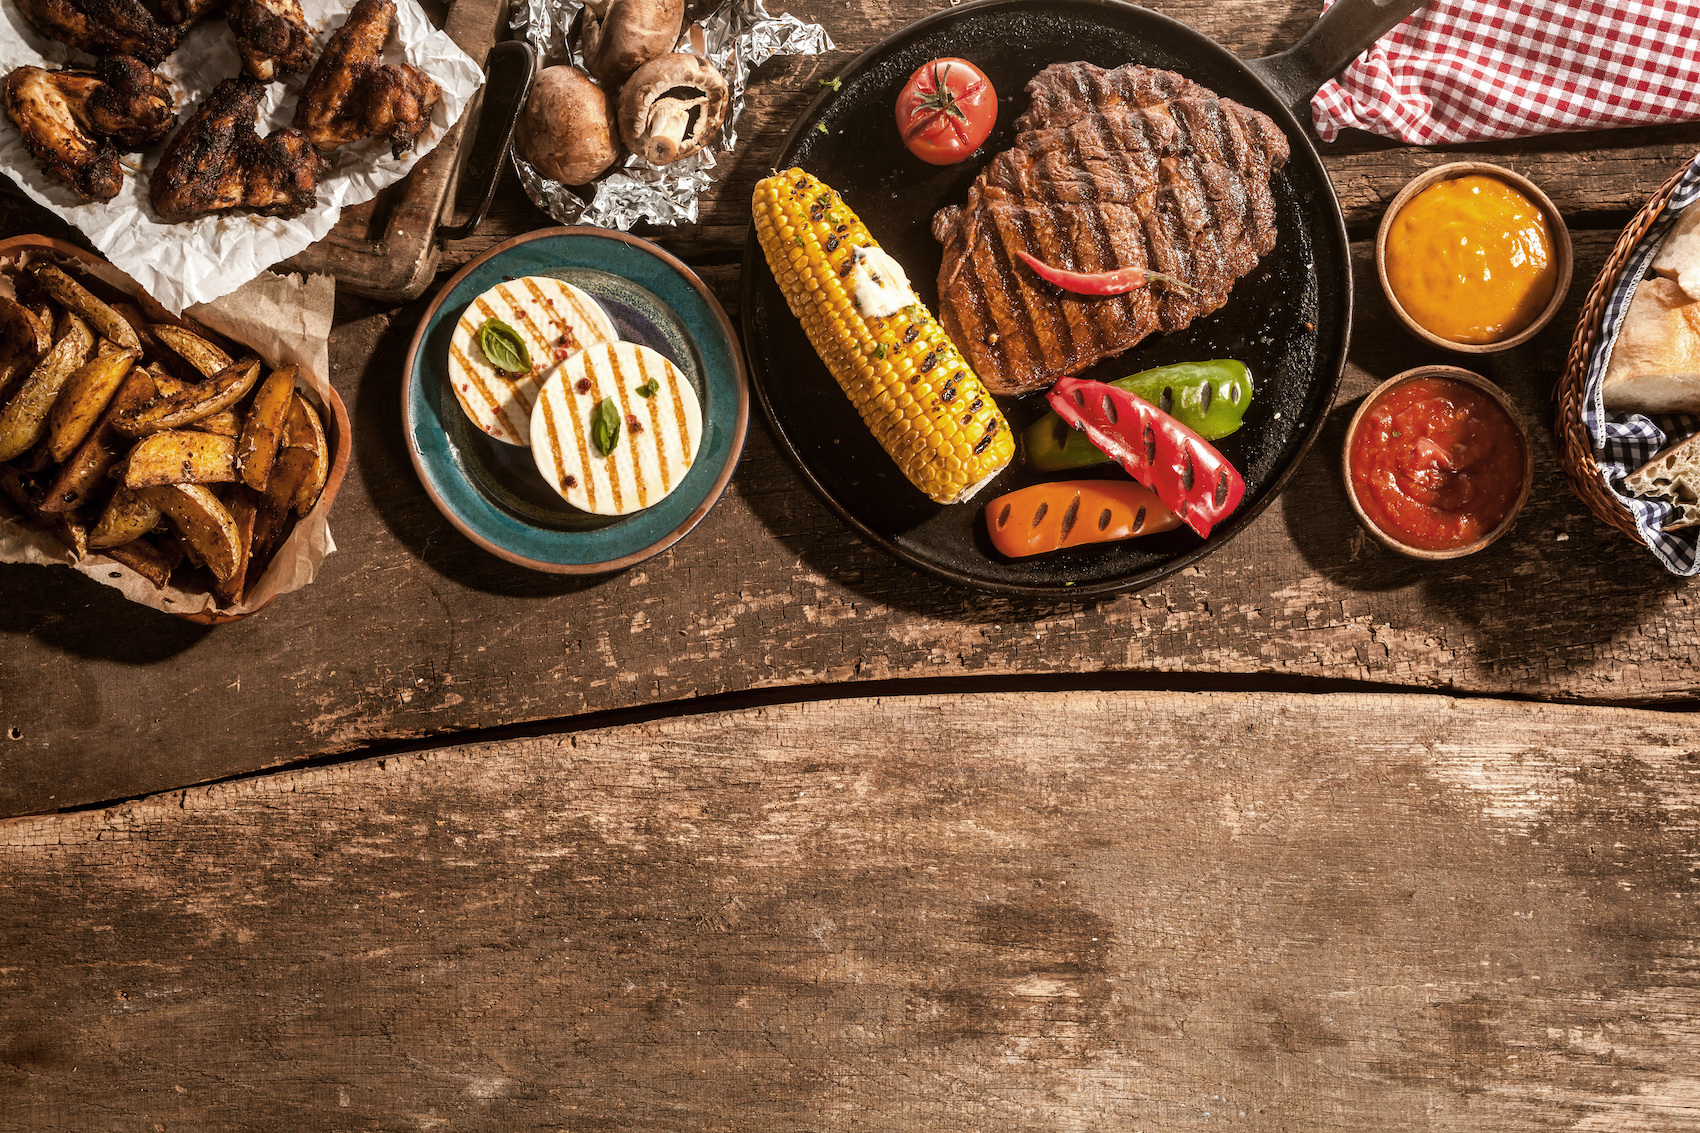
{"x": 619, "y": 36}
{"x": 567, "y": 130}
{"x": 671, "y": 107}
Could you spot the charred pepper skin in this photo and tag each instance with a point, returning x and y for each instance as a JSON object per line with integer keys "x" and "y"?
{"x": 1186, "y": 472}
{"x": 1210, "y": 398}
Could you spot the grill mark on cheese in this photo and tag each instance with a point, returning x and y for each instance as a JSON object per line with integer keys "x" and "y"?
{"x": 611, "y": 462}
{"x": 555, "y": 444}
{"x": 587, "y": 448}
{"x": 675, "y": 378}
{"x": 631, "y": 444}
{"x": 580, "y": 434}
{"x": 655, "y": 425}
{"x": 476, "y": 379}
{"x": 562, "y": 326}
{"x": 591, "y": 318}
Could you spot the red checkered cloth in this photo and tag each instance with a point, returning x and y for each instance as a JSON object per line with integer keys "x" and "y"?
{"x": 1468, "y": 70}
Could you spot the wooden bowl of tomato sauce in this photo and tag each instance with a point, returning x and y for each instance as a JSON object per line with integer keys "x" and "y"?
{"x": 1437, "y": 462}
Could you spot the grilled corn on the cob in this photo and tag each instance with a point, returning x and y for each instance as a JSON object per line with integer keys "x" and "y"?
{"x": 912, "y": 387}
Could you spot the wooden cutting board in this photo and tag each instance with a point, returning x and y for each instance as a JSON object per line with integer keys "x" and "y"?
{"x": 387, "y": 248}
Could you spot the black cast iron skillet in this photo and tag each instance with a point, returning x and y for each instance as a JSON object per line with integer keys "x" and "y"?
{"x": 1288, "y": 320}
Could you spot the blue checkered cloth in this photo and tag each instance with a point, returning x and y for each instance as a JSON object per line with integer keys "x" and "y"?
{"x": 1624, "y": 442}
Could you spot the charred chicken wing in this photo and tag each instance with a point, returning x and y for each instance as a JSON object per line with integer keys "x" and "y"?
{"x": 70, "y": 119}
{"x": 218, "y": 162}
{"x": 272, "y": 36}
{"x": 105, "y": 27}
{"x": 352, "y": 95}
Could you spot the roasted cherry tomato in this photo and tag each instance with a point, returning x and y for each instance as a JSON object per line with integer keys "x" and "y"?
{"x": 946, "y": 111}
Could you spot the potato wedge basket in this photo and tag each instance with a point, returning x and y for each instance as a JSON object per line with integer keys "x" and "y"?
{"x": 166, "y": 460}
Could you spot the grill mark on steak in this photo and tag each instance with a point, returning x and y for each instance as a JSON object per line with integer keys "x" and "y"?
{"x": 1063, "y": 251}
{"x": 1131, "y": 167}
{"x": 1100, "y": 252}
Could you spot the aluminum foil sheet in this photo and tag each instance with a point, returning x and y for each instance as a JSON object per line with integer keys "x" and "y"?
{"x": 737, "y": 37}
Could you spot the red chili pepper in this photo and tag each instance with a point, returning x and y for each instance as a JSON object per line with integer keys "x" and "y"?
{"x": 1190, "y": 477}
{"x": 1117, "y": 282}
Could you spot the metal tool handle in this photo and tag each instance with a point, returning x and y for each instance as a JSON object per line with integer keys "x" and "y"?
{"x": 1345, "y": 30}
{"x": 508, "y": 72}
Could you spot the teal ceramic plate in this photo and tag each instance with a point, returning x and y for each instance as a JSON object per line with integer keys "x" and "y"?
{"x": 491, "y": 491}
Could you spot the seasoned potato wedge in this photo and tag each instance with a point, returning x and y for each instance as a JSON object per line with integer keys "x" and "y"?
{"x": 225, "y": 423}
{"x": 82, "y": 477}
{"x": 23, "y": 420}
{"x": 194, "y": 402}
{"x": 263, "y": 429}
{"x": 82, "y": 302}
{"x": 83, "y": 399}
{"x": 144, "y": 558}
{"x": 306, "y": 431}
{"x": 193, "y": 349}
{"x": 139, "y": 323}
{"x": 126, "y": 516}
{"x": 23, "y": 340}
{"x": 21, "y": 488}
{"x": 202, "y": 522}
{"x": 289, "y": 474}
{"x": 181, "y": 456}
{"x": 70, "y": 532}
{"x": 244, "y": 512}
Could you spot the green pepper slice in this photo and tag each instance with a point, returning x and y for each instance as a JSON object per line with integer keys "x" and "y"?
{"x": 1210, "y": 398}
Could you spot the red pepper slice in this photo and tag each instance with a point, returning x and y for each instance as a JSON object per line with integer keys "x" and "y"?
{"x": 1190, "y": 477}
{"x": 1117, "y": 282}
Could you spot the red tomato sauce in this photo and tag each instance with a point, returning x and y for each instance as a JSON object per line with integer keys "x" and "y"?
{"x": 1436, "y": 463}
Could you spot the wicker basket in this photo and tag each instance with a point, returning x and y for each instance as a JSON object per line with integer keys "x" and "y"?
{"x": 1575, "y": 448}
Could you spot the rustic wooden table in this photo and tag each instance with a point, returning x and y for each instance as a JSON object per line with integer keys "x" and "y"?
{"x": 772, "y": 829}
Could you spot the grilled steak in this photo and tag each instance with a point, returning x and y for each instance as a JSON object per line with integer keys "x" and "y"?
{"x": 1126, "y": 168}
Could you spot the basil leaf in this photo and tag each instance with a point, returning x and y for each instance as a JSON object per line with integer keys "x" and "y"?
{"x": 504, "y": 347}
{"x": 605, "y": 426}
{"x": 649, "y": 388}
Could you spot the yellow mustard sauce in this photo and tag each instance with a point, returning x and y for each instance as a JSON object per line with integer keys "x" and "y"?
{"x": 1470, "y": 260}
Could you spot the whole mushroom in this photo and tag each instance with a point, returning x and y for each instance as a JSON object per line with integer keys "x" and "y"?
{"x": 671, "y": 107}
{"x": 567, "y": 130}
{"x": 619, "y": 36}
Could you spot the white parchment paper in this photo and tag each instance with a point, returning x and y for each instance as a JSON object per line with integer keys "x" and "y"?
{"x": 284, "y": 319}
{"x": 182, "y": 264}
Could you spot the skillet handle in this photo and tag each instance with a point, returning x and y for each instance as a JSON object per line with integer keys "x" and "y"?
{"x": 508, "y": 70}
{"x": 1345, "y": 31}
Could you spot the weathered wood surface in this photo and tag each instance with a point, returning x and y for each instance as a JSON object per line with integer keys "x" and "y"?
{"x": 413, "y": 632}
{"x": 1082, "y": 912}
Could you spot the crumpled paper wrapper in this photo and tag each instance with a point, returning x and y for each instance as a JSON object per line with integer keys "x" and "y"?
{"x": 284, "y": 319}
{"x": 737, "y": 37}
{"x": 183, "y": 264}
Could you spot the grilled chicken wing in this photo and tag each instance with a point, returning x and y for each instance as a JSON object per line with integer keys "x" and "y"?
{"x": 351, "y": 95}
{"x": 182, "y": 11}
{"x": 217, "y": 161}
{"x": 272, "y": 36}
{"x": 105, "y": 27}
{"x": 70, "y": 119}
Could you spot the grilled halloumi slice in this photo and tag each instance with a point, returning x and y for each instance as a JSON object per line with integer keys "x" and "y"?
{"x": 660, "y": 428}
{"x": 552, "y": 317}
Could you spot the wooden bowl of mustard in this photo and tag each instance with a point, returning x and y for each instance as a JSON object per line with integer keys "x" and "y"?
{"x": 1473, "y": 257}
